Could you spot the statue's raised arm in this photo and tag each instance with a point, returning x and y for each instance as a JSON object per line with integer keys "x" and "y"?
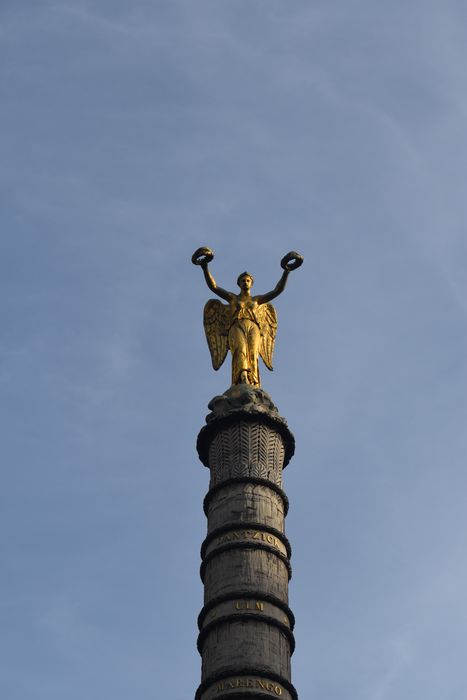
{"x": 247, "y": 325}
{"x": 202, "y": 257}
{"x": 288, "y": 263}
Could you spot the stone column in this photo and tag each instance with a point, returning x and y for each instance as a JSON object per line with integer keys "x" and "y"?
{"x": 246, "y": 626}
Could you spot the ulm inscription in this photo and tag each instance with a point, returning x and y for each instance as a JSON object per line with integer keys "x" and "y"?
{"x": 256, "y": 606}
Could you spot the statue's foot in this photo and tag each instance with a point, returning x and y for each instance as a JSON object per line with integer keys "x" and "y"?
{"x": 244, "y": 377}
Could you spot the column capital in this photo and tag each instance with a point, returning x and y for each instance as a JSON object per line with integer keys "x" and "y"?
{"x": 242, "y": 402}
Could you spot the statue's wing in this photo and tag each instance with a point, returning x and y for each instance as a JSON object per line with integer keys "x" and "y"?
{"x": 267, "y": 318}
{"x": 216, "y": 326}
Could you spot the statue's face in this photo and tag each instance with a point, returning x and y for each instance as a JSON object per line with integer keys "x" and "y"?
{"x": 245, "y": 282}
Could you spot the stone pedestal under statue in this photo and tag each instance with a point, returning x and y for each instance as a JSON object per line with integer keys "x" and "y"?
{"x": 246, "y": 626}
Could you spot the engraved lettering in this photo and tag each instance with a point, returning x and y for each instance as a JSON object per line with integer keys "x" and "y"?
{"x": 249, "y": 534}
{"x": 249, "y": 683}
{"x": 258, "y": 606}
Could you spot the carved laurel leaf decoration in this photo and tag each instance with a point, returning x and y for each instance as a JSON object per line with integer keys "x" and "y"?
{"x": 246, "y": 449}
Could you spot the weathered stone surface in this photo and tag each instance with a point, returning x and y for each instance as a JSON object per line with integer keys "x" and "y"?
{"x": 246, "y": 502}
{"x": 244, "y": 398}
{"x": 243, "y": 570}
{"x": 246, "y": 643}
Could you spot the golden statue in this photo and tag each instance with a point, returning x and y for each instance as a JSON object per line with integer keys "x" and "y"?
{"x": 247, "y": 325}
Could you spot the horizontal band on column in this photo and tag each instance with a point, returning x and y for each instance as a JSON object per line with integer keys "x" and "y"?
{"x": 217, "y": 677}
{"x": 243, "y": 545}
{"x": 246, "y": 480}
{"x": 233, "y": 527}
{"x": 251, "y": 617}
{"x": 242, "y": 595}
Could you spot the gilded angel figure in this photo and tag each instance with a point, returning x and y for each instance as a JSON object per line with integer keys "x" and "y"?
{"x": 247, "y": 324}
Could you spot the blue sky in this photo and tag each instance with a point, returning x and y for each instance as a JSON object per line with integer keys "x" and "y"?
{"x": 132, "y": 133}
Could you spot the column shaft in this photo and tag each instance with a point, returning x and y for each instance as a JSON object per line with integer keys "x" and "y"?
{"x": 246, "y": 626}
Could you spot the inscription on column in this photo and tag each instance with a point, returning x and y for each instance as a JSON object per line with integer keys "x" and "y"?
{"x": 257, "y": 683}
{"x": 257, "y": 606}
{"x": 249, "y": 535}
{"x": 246, "y": 605}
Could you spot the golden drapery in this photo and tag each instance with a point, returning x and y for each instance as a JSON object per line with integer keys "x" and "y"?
{"x": 244, "y": 344}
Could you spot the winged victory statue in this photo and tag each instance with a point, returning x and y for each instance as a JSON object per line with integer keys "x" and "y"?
{"x": 247, "y": 324}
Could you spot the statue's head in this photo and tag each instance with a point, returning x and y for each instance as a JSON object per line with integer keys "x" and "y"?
{"x": 245, "y": 281}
